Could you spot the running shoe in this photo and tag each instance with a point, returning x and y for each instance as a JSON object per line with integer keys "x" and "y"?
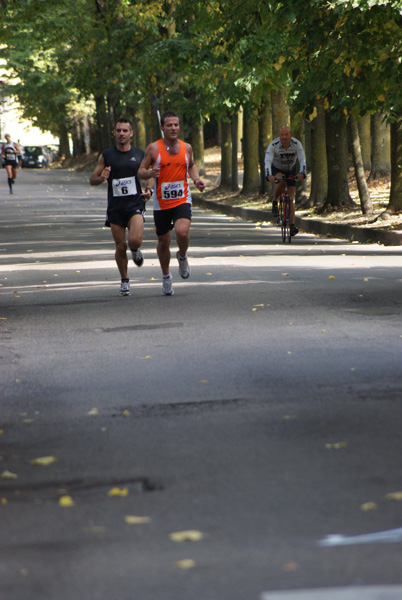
{"x": 184, "y": 267}
{"x": 275, "y": 212}
{"x": 293, "y": 230}
{"x": 125, "y": 288}
{"x": 137, "y": 257}
{"x": 167, "y": 289}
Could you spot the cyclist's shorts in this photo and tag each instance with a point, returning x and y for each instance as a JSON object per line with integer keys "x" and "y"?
{"x": 293, "y": 171}
{"x": 165, "y": 219}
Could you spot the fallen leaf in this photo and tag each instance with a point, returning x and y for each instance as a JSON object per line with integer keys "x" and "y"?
{"x": 368, "y": 506}
{"x": 285, "y": 274}
{"x": 1, "y": 431}
{"x": 203, "y": 380}
{"x": 4, "y": 501}
{"x": 66, "y": 501}
{"x": 397, "y": 496}
{"x": 291, "y": 566}
{"x": 132, "y": 520}
{"x": 186, "y": 563}
{"x": 8, "y": 475}
{"x": 331, "y": 277}
{"x": 118, "y": 492}
{"x": 126, "y": 413}
{"x": 44, "y": 461}
{"x": 336, "y": 446}
{"x": 258, "y": 305}
{"x": 93, "y": 411}
{"x": 145, "y": 357}
{"x": 190, "y": 535}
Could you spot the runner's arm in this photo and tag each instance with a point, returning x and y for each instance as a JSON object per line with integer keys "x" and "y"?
{"x": 101, "y": 172}
{"x": 149, "y": 158}
{"x": 193, "y": 170}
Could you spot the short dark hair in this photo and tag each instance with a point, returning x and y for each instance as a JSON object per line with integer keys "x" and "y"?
{"x": 168, "y": 113}
{"x": 124, "y": 120}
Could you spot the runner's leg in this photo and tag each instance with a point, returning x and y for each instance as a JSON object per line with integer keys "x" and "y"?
{"x": 163, "y": 250}
{"x": 119, "y": 236}
{"x": 182, "y": 231}
{"x": 135, "y": 231}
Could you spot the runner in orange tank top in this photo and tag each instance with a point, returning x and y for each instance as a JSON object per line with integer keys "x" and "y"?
{"x": 171, "y": 162}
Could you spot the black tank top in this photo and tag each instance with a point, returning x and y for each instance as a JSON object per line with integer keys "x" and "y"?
{"x": 124, "y": 188}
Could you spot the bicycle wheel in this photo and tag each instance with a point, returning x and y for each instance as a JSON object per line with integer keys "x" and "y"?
{"x": 287, "y": 237}
{"x": 282, "y": 219}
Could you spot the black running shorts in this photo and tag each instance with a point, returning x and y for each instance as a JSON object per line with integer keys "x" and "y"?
{"x": 165, "y": 219}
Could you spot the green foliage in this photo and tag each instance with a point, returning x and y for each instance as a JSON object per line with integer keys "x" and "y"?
{"x": 199, "y": 57}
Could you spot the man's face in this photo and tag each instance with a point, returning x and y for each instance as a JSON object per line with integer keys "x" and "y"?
{"x": 123, "y": 133}
{"x": 284, "y": 136}
{"x": 171, "y": 127}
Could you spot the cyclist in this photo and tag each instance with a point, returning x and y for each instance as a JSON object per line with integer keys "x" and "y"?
{"x": 280, "y": 161}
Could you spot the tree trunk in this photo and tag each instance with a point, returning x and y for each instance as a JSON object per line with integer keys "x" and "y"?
{"x": 198, "y": 145}
{"x": 140, "y": 139}
{"x": 301, "y": 188}
{"x": 395, "y": 200}
{"x": 234, "y": 126}
{"x": 280, "y": 111}
{"x": 364, "y": 194}
{"x": 318, "y": 167}
{"x": 64, "y": 150}
{"x": 337, "y": 157}
{"x": 264, "y": 139}
{"x": 226, "y": 153}
{"x": 365, "y": 140}
{"x": 102, "y": 121}
{"x": 251, "y": 176}
{"x": 380, "y": 145}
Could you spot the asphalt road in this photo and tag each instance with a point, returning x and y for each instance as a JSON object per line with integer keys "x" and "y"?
{"x": 258, "y": 410}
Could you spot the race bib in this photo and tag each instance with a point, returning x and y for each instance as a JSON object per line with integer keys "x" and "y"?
{"x": 172, "y": 190}
{"x": 10, "y": 154}
{"x": 124, "y": 187}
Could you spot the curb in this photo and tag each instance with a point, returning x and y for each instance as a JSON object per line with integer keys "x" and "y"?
{"x": 348, "y": 232}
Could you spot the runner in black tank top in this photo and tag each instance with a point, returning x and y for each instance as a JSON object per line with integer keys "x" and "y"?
{"x": 126, "y": 201}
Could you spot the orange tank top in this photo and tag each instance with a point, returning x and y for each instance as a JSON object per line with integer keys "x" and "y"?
{"x": 172, "y": 187}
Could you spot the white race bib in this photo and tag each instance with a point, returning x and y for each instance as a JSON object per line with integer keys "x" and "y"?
{"x": 172, "y": 190}
{"x": 124, "y": 187}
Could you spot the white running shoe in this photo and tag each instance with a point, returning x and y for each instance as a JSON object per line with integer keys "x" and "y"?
{"x": 167, "y": 289}
{"x": 137, "y": 257}
{"x": 125, "y": 288}
{"x": 184, "y": 267}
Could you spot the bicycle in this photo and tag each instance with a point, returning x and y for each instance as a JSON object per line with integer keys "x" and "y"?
{"x": 284, "y": 219}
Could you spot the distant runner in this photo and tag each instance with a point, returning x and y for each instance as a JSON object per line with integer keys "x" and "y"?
{"x": 10, "y": 153}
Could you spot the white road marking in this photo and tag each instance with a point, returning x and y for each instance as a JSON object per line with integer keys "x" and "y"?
{"x": 380, "y": 592}
{"x": 391, "y": 535}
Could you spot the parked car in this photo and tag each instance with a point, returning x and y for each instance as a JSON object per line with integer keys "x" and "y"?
{"x": 35, "y": 156}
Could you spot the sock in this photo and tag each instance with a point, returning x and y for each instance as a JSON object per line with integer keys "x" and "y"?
{"x": 125, "y": 280}
{"x": 167, "y": 276}
{"x": 10, "y": 182}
